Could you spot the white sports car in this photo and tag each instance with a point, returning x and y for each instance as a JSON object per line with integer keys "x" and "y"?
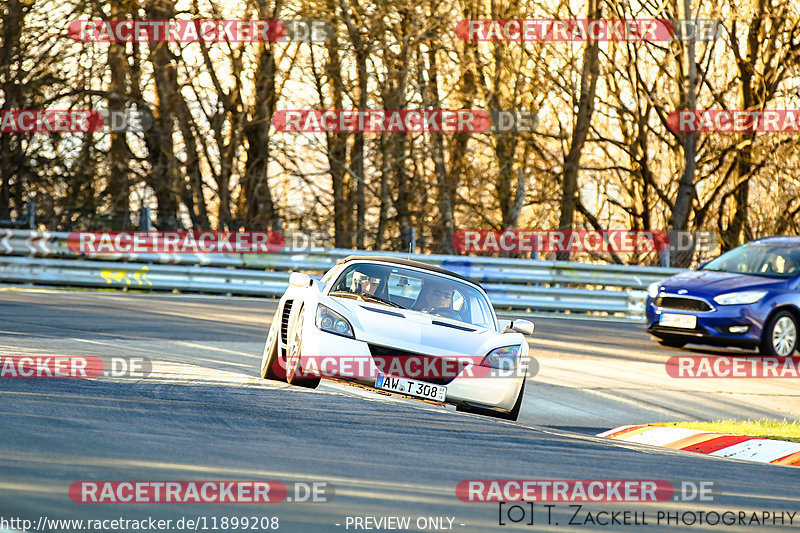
{"x": 402, "y": 327}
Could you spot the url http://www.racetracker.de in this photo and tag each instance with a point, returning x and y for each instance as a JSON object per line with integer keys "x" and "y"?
{"x": 194, "y": 523}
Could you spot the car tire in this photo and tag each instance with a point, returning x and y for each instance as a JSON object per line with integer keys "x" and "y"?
{"x": 779, "y": 338}
{"x": 293, "y": 363}
{"x": 271, "y": 367}
{"x": 512, "y": 415}
{"x": 672, "y": 342}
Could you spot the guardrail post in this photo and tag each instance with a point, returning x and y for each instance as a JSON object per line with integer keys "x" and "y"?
{"x": 665, "y": 257}
{"x": 410, "y": 241}
{"x": 145, "y": 222}
{"x": 30, "y": 215}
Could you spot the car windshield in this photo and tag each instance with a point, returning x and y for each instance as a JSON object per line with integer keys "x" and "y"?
{"x": 414, "y": 290}
{"x": 759, "y": 260}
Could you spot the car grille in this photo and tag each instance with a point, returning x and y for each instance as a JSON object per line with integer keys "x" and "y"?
{"x": 682, "y": 304}
{"x": 387, "y": 354}
{"x": 287, "y": 309}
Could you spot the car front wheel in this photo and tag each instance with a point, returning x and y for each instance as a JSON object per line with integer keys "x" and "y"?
{"x": 271, "y": 368}
{"x": 780, "y": 335}
{"x": 294, "y": 367}
{"x": 512, "y": 415}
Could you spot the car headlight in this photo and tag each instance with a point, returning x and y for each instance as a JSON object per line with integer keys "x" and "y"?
{"x": 332, "y": 322}
{"x": 652, "y": 289}
{"x": 505, "y": 357}
{"x": 740, "y": 298}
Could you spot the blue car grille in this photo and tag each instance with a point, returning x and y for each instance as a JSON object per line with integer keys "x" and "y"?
{"x": 682, "y": 304}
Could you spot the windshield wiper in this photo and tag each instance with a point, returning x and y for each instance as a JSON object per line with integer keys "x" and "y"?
{"x": 773, "y": 275}
{"x": 347, "y": 294}
{"x": 371, "y": 298}
{"x": 363, "y": 297}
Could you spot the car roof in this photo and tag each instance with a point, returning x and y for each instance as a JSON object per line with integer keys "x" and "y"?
{"x": 409, "y": 263}
{"x": 786, "y": 240}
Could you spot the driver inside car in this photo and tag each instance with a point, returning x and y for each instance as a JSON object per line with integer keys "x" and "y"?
{"x": 437, "y": 297}
{"x": 773, "y": 264}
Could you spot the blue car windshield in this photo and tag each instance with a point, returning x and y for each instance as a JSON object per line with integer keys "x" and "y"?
{"x": 759, "y": 260}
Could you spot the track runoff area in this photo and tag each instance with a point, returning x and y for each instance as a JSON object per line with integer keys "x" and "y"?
{"x": 172, "y": 430}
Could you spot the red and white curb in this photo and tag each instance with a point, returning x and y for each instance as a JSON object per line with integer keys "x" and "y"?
{"x": 777, "y": 452}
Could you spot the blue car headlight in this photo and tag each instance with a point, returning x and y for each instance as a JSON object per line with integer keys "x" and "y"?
{"x": 332, "y": 322}
{"x": 504, "y": 358}
{"x": 652, "y": 290}
{"x": 740, "y": 298}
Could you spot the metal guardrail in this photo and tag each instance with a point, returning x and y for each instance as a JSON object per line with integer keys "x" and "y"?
{"x": 28, "y": 222}
{"x": 516, "y": 286}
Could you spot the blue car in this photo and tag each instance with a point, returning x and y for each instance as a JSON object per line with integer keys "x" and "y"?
{"x": 748, "y": 297}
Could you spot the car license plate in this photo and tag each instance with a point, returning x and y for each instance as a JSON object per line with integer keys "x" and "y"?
{"x": 674, "y": 320}
{"x": 420, "y": 389}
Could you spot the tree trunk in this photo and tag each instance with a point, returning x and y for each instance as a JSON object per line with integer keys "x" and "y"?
{"x": 395, "y": 98}
{"x": 357, "y": 155}
{"x": 119, "y": 155}
{"x": 192, "y": 190}
{"x": 445, "y": 191}
{"x": 160, "y": 142}
{"x": 589, "y": 75}
{"x": 686, "y": 191}
{"x": 385, "y": 200}
{"x": 337, "y": 146}
{"x": 11, "y": 156}
{"x": 258, "y": 197}
{"x": 737, "y": 231}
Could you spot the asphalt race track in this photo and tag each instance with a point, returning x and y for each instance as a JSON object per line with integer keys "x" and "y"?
{"x": 204, "y": 414}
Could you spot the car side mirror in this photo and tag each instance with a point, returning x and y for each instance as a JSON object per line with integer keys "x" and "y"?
{"x": 520, "y": 326}
{"x": 298, "y": 279}
{"x": 701, "y": 264}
